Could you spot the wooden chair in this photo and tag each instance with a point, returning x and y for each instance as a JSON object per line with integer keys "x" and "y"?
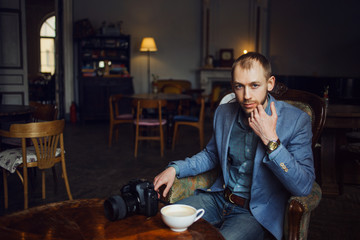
{"x": 147, "y": 123}
{"x": 44, "y": 112}
{"x": 298, "y": 211}
{"x": 176, "y": 86}
{"x": 47, "y": 149}
{"x": 172, "y": 88}
{"x": 184, "y": 84}
{"x": 197, "y": 122}
{"x": 116, "y": 119}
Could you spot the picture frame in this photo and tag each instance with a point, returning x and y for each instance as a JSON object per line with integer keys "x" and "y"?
{"x": 226, "y": 57}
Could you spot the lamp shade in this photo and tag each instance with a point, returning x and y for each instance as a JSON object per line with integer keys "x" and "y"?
{"x": 148, "y": 44}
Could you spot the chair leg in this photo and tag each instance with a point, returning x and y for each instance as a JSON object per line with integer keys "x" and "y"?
{"x": 6, "y": 203}
{"x": 25, "y": 176}
{"x": 174, "y": 136}
{"x": 43, "y": 187}
{"x": 63, "y": 166}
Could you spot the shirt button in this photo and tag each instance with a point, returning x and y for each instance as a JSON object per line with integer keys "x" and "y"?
{"x": 224, "y": 186}
{"x": 209, "y": 190}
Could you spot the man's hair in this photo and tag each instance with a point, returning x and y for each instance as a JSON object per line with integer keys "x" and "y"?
{"x": 246, "y": 61}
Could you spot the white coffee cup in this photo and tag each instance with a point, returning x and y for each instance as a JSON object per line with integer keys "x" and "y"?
{"x": 180, "y": 216}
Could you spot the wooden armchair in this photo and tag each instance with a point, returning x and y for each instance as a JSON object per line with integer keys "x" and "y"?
{"x": 298, "y": 212}
{"x": 47, "y": 150}
{"x": 176, "y": 87}
{"x": 183, "y": 84}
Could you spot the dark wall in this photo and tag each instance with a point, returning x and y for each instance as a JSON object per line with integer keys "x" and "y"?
{"x": 315, "y": 38}
{"x": 341, "y": 90}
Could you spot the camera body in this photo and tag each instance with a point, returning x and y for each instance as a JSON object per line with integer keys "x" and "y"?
{"x": 137, "y": 197}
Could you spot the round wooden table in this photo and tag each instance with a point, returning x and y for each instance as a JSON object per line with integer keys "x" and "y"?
{"x": 12, "y": 113}
{"x": 15, "y": 110}
{"x": 85, "y": 219}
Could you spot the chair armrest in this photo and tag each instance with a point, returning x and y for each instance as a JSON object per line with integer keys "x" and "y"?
{"x": 185, "y": 187}
{"x": 298, "y": 213}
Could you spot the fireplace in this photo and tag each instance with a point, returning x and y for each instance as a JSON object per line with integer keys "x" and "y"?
{"x": 210, "y": 77}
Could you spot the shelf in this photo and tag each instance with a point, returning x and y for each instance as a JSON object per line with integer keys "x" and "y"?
{"x": 97, "y": 81}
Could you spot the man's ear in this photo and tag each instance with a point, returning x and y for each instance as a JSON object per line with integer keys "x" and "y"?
{"x": 271, "y": 83}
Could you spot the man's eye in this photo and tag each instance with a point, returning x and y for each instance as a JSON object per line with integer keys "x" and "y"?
{"x": 238, "y": 86}
{"x": 255, "y": 85}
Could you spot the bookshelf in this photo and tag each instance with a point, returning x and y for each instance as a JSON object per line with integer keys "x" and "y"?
{"x": 104, "y": 69}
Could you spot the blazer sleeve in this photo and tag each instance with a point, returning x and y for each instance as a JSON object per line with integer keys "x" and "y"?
{"x": 292, "y": 163}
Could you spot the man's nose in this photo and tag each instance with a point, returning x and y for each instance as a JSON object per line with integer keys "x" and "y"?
{"x": 247, "y": 94}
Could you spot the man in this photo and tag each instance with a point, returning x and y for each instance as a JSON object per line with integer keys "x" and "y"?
{"x": 263, "y": 147}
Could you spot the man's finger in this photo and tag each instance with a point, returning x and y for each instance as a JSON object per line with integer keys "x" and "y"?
{"x": 167, "y": 189}
{"x": 273, "y": 109}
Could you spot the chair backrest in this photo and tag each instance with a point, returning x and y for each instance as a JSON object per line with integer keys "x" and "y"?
{"x": 46, "y": 138}
{"x": 308, "y": 102}
{"x": 114, "y": 101}
{"x": 185, "y": 84}
{"x": 44, "y": 112}
{"x": 172, "y": 88}
{"x": 228, "y": 98}
{"x": 142, "y": 104}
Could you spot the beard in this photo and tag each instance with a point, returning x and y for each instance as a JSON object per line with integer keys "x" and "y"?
{"x": 248, "y": 112}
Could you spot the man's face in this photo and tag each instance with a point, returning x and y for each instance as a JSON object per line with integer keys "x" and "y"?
{"x": 251, "y": 87}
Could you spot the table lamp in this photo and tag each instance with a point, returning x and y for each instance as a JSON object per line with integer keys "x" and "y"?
{"x": 148, "y": 45}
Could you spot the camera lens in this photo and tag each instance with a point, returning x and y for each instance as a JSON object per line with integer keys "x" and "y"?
{"x": 115, "y": 208}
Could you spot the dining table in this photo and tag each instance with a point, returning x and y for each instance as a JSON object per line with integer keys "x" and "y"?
{"x": 14, "y": 113}
{"x": 173, "y": 101}
{"x": 85, "y": 219}
{"x": 340, "y": 119}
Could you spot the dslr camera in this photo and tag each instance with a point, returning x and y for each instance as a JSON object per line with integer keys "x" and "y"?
{"x": 137, "y": 197}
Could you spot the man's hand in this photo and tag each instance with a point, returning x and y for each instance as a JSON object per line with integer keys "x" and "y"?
{"x": 264, "y": 125}
{"x": 166, "y": 177}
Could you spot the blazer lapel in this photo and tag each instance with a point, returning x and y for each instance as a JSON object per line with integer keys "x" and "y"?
{"x": 230, "y": 118}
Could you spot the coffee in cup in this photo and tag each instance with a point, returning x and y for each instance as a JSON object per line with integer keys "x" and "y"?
{"x": 180, "y": 216}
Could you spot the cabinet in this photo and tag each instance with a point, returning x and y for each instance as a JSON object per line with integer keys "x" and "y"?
{"x": 104, "y": 65}
{"x": 95, "y": 93}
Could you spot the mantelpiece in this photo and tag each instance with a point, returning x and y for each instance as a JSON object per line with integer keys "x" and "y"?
{"x": 208, "y": 76}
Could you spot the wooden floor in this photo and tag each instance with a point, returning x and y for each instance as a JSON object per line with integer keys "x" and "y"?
{"x": 97, "y": 171}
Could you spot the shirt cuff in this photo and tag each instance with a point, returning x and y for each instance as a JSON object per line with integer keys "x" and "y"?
{"x": 274, "y": 153}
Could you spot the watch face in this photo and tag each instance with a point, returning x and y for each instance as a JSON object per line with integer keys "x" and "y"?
{"x": 272, "y": 145}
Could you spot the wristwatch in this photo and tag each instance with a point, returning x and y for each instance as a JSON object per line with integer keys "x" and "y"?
{"x": 272, "y": 145}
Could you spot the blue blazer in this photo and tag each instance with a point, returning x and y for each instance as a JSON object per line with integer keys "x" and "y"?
{"x": 287, "y": 171}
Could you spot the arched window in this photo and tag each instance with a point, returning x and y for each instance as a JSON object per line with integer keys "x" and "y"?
{"x": 47, "y": 45}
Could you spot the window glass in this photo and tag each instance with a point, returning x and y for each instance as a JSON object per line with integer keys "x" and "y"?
{"x": 47, "y": 45}
{"x": 48, "y": 28}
